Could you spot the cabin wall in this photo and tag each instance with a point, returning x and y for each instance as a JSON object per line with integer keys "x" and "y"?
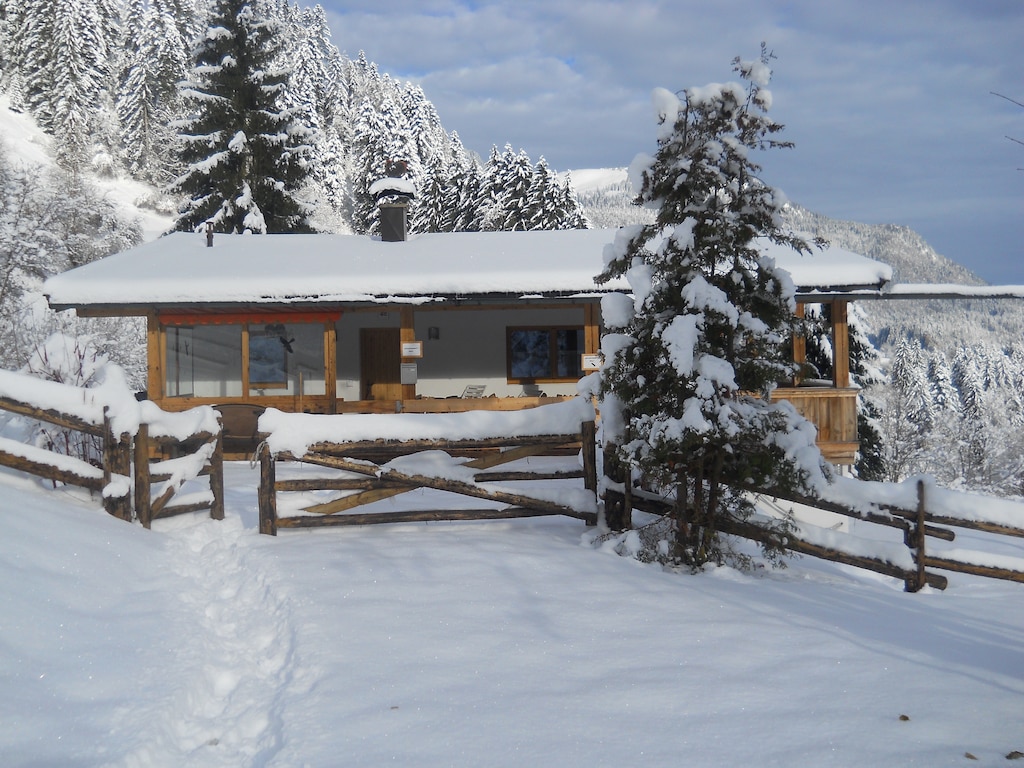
{"x": 469, "y": 348}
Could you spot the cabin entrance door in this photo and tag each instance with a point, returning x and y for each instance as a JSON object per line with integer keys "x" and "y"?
{"x": 380, "y": 363}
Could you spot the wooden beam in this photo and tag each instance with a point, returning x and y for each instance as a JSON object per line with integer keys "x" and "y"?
{"x": 840, "y": 344}
{"x": 331, "y": 365}
{"x": 408, "y": 334}
{"x": 591, "y": 329}
{"x": 156, "y": 353}
{"x": 50, "y": 416}
{"x": 799, "y": 345}
{"x": 414, "y": 446}
{"x": 50, "y": 472}
{"x": 418, "y": 516}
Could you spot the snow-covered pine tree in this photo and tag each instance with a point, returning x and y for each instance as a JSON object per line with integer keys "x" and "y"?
{"x": 543, "y": 205}
{"x": 156, "y": 60}
{"x": 60, "y": 51}
{"x": 463, "y": 189}
{"x": 431, "y": 213}
{"x": 906, "y": 413}
{"x": 972, "y": 447}
{"x": 245, "y": 153}
{"x": 509, "y": 181}
{"x": 571, "y": 214}
{"x": 700, "y": 344}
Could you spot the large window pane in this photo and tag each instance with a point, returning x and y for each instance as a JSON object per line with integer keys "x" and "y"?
{"x": 307, "y": 357}
{"x": 531, "y": 353}
{"x": 286, "y": 358}
{"x": 204, "y": 361}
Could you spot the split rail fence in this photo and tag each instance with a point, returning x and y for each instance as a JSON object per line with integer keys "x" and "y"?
{"x": 128, "y": 465}
{"x": 371, "y": 478}
{"x": 918, "y": 524}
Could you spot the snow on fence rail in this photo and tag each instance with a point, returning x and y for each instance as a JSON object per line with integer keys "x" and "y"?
{"x": 917, "y": 507}
{"x": 412, "y": 451}
{"x": 131, "y": 432}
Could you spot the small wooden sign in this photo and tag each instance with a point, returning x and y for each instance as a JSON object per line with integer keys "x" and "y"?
{"x": 590, "y": 362}
{"x": 412, "y": 349}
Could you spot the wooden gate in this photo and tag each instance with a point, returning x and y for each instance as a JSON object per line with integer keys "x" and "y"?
{"x": 378, "y": 469}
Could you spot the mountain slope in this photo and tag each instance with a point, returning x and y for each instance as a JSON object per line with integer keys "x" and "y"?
{"x": 944, "y": 324}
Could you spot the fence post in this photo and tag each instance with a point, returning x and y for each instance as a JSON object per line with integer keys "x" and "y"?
{"x": 914, "y": 537}
{"x": 143, "y": 481}
{"x": 618, "y": 512}
{"x": 588, "y": 441}
{"x": 117, "y": 460}
{"x": 267, "y": 494}
{"x": 217, "y": 478}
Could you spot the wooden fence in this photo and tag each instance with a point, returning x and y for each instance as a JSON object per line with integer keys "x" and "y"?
{"x": 371, "y": 478}
{"x": 126, "y": 461}
{"x": 917, "y": 524}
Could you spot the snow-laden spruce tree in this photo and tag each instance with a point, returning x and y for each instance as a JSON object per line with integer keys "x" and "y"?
{"x": 245, "y": 153}
{"x": 693, "y": 353}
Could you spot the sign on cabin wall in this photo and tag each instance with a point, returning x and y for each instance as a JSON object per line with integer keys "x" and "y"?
{"x": 412, "y": 349}
{"x": 590, "y": 362}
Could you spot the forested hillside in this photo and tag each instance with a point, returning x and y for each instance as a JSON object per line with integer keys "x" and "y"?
{"x": 103, "y": 101}
{"x": 124, "y": 88}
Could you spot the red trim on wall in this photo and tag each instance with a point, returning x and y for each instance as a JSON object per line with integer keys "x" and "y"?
{"x": 239, "y": 318}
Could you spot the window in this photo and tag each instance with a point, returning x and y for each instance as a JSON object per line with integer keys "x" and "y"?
{"x": 544, "y": 354}
{"x": 207, "y": 359}
{"x": 204, "y": 361}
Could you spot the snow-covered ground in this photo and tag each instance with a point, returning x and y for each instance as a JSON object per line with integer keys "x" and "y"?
{"x": 511, "y": 643}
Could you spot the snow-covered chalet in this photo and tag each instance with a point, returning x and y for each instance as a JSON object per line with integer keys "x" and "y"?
{"x": 423, "y": 323}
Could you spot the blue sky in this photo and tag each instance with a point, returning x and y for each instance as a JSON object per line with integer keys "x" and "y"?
{"x": 889, "y": 101}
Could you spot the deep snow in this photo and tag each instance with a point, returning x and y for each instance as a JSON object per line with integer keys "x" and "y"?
{"x": 507, "y": 643}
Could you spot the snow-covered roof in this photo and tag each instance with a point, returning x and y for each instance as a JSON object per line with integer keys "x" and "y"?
{"x": 179, "y": 269}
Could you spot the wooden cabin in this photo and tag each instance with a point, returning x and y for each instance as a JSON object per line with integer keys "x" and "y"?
{"x": 435, "y": 322}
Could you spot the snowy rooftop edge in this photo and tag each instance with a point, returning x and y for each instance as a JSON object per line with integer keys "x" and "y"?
{"x": 179, "y": 269}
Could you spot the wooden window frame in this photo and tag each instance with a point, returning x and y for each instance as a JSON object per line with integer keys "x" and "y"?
{"x": 163, "y": 322}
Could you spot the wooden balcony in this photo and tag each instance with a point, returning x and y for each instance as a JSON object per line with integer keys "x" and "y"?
{"x": 834, "y": 412}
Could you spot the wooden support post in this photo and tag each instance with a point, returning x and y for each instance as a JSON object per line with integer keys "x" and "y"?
{"x": 217, "y": 479}
{"x": 618, "y": 513}
{"x": 840, "y": 344}
{"x": 117, "y": 460}
{"x": 143, "y": 480}
{"x": 407, "y": 334}
{"x": 267, "y": 493}
{"x": 914, "y": 538}
{"x": 591, "y": 329}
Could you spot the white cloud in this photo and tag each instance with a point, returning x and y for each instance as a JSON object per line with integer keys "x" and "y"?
{"x": 889, "y": 102}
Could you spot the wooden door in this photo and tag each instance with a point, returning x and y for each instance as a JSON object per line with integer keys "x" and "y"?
{"x": 380, "y": 363}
